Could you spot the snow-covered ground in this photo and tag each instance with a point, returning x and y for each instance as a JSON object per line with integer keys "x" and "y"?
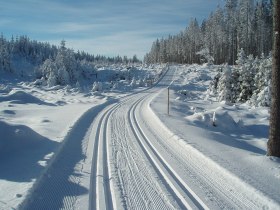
{"x": 33, "y": 125}
{"x": 205, "y": 154}
{"x": 232, "y": 136}
{"x": 36, "y": 122}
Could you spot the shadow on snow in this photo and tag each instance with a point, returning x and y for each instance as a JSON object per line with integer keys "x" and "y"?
{"x": 60, "y": 186}
{"x": 20, "y": 150}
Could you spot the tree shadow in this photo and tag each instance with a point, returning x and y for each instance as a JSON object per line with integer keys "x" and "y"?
{"x": 260, "y": 131}
{"x": 235, "y": 142}
{"x": 20, "y": 150}
{"x": 236, "y": 137}
{"x": 59, "y": 187}
{"x": 21, "y": 97}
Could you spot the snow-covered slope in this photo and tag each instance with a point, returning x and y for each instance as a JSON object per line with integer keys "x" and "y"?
{"x": 35, "y": 121}
{"x": 72, "y": 148}
{"x": 233, "y": 136}
{"x": 33, "y": 125}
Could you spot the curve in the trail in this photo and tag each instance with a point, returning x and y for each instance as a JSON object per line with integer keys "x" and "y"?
{"x": 218, "y": 187}
{"x": 135, "y": 163}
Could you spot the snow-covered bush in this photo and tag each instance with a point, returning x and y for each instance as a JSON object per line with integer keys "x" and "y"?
{"x": 247, "y": 71}
{"x": 212, "y": 90}
{"x": 5, "y": 60}
{"x": 87, "y": 69}
{"x": 224, "y": 85}
{"x": 262, "y": 81}
{"x": 63, "y": 76}
{"x": 78, "y": 86}
{"x": 52, "y": 79}
{"x": 145, "y": 81}
{"x": 133, "y": 82}
{"x": 115, "y": 86}
{"x": 241, "y": 57}
{"x": 141, "y": 83}
{"x": 206, "y": 57}
{"x": 64, "y": 69}
{"x": 249, "y": 81}
{"x": 97, "y": 86}
{"x": 48, "y": 70}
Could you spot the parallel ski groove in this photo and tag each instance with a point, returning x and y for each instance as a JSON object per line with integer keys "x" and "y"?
{"x": 208, "y": 179}
{"x": 101, "y": 155}
{"x": 180, "y": 198}
{"x": 136, "y": 188}
{"x": 100, "y": 141}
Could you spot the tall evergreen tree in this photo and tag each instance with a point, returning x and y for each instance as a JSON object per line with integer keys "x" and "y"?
{"x": 240, "y": 24}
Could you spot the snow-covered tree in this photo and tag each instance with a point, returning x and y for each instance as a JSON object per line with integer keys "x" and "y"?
{"x": 63, "y": 76}
{"x": 250, "y": 81}
{"x": 241, "y": 57}
{"x": 48, "y": 69}
{"x": 87, "y": 69}
{"x": 67, "y": 65}
{"x": 224, "y": 86}
{"x": 141, "y": 83}
{"x": 240, "y": 24}
{"x": 97, "y": 86}
{"x": 206, "y": 57}
{"x": 52, "y": 79}
{"x": 262, "y": 82}
{"x": 5, "y": 63}
{"x": 245, "y": 25}
{"x": 133, "y": 82}
{"x": 247, "y": 71}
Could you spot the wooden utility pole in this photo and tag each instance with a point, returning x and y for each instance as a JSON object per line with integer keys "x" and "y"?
{"x": 273, "y": 145}
{"x": 168, "y": 101}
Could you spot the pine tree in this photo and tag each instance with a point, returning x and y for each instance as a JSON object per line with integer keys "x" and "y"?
{"x": 262, "y": 81}
{"x": 247, "y": 72}
{"x": 273, "y": 144}
{"x": 231, "y": 8}
{"x": 67, "y": 65}
{"x": 240, "y": 24}
{"x": 244, "y": 29}
{"x": 5, "y": 55}
{"x": 224, "y": 86}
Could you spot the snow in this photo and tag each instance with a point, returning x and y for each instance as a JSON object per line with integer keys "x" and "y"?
{"x": 205, "y": 154}
{"x": 32, "y": 130}
{"x": 238, "y": 141}
{"x": 35, "y": 122}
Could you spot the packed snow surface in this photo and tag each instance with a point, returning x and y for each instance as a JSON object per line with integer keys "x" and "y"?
{"x": 117, "y": 148}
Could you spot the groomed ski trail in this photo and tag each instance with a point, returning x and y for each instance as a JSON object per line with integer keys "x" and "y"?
{"x": 133, "y": 161}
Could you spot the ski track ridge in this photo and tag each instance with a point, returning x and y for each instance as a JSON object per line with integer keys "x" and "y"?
{"x": 164, "y": 170}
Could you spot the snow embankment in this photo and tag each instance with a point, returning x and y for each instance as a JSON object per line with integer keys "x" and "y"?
{"x": 37, "y": 122}
{"x": 233, "y": 136}
{"x": 33, "y": 124}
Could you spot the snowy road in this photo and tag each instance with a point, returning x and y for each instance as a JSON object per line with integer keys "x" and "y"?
{"x": 127, "y": 159}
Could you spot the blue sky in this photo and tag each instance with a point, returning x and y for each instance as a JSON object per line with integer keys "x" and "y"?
{"x": 107, "y": 27}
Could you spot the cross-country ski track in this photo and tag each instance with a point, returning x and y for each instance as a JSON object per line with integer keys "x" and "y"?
{"x": 124, "y": 157}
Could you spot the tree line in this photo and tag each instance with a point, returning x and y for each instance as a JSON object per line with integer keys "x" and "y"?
{"x": 239, "y": 24}
{"x": 37, "y": 53}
